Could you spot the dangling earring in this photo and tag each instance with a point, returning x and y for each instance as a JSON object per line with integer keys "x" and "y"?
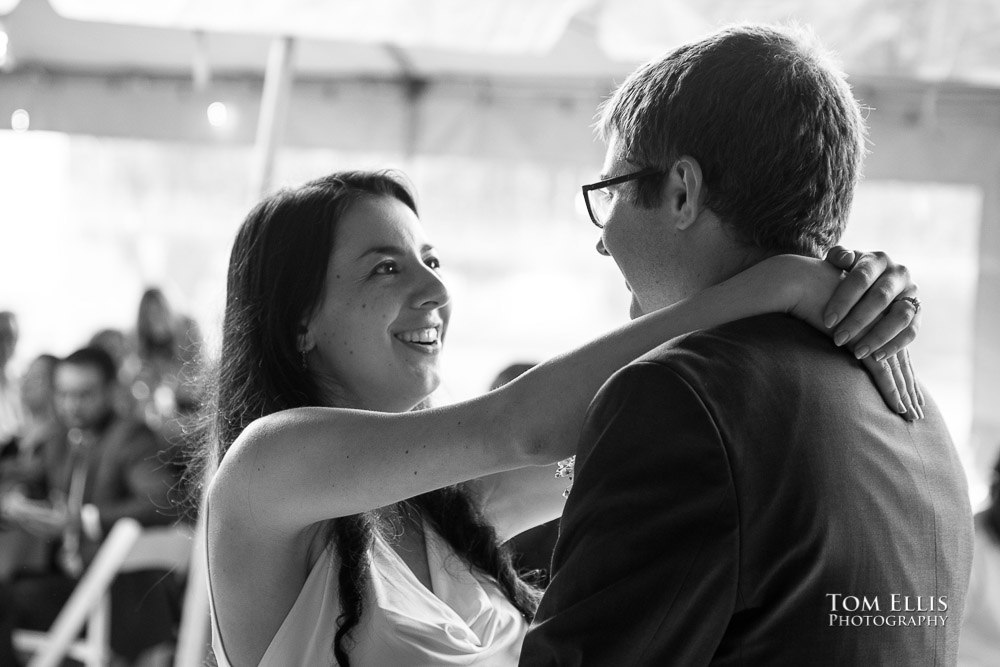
{"x": 303, "y": 344}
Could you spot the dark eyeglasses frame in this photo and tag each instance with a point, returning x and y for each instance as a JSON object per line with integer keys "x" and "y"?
{"x": 616, "y": 180}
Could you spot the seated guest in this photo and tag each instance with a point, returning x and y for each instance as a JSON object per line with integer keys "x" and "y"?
{"x": 167, "y": 345}
{"x": 10, "y": 412}
{"x": 39, "y": 422}
{"x": 116, "y": 343}
{"x": 22, "y": 465}
{"x": 98, "y": 468}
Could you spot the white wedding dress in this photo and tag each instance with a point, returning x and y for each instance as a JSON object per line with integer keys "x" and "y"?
{"x": 466, "y": 620}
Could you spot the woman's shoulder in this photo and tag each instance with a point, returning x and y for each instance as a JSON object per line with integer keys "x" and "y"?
{"x": 260, "y": 440}
{"x": 276, "y": 475}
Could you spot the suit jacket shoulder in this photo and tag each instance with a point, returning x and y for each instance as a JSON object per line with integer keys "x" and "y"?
{"x": 753, "y": 479}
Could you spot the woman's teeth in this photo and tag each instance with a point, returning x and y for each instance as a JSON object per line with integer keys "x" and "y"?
{"x": 425, "y": 336}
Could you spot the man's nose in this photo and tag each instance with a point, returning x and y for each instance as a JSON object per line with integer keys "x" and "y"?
{"x": 601, "y": 250}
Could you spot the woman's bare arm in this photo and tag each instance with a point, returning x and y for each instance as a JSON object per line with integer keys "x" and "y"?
{"x": 295, "y": 468}
{"x": 521, "y": 499}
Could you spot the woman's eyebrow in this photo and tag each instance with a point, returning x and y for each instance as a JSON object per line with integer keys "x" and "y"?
{"x": 382, "y": 250}
{"x": 393, "y": 250}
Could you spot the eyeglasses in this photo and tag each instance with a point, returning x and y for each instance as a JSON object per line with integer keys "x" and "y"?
{"x": 598, "y": 197}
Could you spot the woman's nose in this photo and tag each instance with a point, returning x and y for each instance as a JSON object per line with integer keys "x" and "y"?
{"x": 433, "y": 293}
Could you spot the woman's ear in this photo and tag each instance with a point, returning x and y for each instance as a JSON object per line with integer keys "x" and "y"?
{"x": 684, "y": 185}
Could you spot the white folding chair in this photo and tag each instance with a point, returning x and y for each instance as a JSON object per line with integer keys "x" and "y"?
{"x": 194, "y": 636}
{"x": 127, "y": 548}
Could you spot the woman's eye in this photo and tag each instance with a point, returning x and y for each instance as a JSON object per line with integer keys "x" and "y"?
{"x": 386, "y": 268}
{"x": 433, "y": 262}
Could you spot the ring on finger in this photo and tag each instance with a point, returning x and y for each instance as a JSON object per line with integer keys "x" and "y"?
{"x": 912, "y": 300}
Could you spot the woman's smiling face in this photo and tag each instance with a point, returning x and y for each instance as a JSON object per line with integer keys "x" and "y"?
{"x": 375, "y": 337}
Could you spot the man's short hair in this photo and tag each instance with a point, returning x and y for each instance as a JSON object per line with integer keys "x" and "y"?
{"x": 94, "y": 357}
{"x": 773, "y": 124}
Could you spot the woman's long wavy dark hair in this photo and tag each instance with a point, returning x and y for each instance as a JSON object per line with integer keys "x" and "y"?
{"x": 277, "y": 270}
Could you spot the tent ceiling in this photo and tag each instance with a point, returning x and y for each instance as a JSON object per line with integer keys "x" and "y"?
{"x": 955, "y": 40}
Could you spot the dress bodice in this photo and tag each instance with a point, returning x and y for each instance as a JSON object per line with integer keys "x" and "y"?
{"x": 464, "y": 619}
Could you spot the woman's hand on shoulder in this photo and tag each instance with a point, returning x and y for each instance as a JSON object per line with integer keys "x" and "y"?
{"x": 872, "y": 310}
{"x": 876, "y": 312}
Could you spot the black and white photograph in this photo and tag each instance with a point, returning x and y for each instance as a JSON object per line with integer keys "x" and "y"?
{"x": 499, "y": 333}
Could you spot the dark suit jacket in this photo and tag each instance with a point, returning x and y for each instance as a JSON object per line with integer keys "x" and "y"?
{"x": 127, "y": 473}
{"x": 743, "y": 496}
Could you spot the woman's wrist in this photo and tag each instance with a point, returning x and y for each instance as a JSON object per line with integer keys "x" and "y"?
{"x": 796, "y": 274}
{"x": 804, "y": 285}
{"x": 782, "y": 282}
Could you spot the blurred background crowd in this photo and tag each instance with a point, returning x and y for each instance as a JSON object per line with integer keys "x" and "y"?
{"x": 86, "y": 439}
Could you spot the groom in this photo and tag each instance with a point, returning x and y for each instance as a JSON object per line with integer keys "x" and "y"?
{"x": 742, "y": 495}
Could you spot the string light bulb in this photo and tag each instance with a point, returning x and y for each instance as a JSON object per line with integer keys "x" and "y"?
{"x": 218, "y": 114}
{"x": 20, "y": 120}
{"x": 4, "y": 44}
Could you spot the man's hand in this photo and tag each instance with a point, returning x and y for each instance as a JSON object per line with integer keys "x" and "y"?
{"x": 36, "y": 517}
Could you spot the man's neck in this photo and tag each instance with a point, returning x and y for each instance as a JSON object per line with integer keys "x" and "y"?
{"x": 708, "y": 254}
{"x": 97, "y": 429}
{"x": 721, "y": 262}
{"x": 742, "y": 258}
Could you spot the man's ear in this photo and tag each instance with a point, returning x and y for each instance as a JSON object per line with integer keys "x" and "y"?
{"x": 683, "y": 191}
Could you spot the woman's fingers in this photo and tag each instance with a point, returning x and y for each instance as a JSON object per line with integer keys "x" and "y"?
{"x": 891, "y": 381}
{"x": 871, "y": 289}
{"x": 841, "y": 257}
{"x": 903, "y": 385}
{"x": 875, "y": 283}
{"x": 912, "y": 388}
{"x": 876, "y": 310}
{"x": 882, "y": 375}
{"x": 912, "y": 378}
{"x": 899, "y": 378}
{"x": 863, "y": 269}
{"x": 896, "y": 329}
